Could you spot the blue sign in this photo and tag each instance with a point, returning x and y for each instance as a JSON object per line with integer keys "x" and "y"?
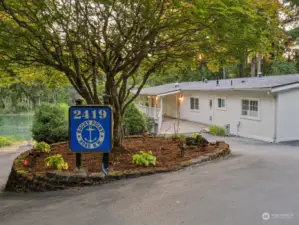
{"x": 90, "y": 128}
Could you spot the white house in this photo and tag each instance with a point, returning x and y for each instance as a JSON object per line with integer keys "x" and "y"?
{"x": 265, "y": 108}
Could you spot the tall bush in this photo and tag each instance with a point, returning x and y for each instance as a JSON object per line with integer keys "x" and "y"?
{"x": 5, "y": 141}
{"x": 134, "y": 120}
{"x": 50, "y": 123}
{"x": 217, "y": 130}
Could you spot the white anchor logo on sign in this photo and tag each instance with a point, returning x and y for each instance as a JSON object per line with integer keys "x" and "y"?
{"x": 90, "y": 134}
{"x": 90, "y": 129}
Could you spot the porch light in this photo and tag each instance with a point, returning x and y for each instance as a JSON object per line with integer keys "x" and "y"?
{"x": 181, "y": 98}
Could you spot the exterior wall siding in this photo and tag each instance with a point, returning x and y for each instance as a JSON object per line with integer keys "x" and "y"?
{"x": 170, "y": 107}
{"x": 287, "y": 115}
{"x": 262, "y": 128}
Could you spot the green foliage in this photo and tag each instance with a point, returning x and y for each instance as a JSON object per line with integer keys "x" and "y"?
{"x": 21, "y": 172}
{"x": 65, "y": 109}
{"x": 182, "y": 73}
{"x": 144, "y": 158}
{"x": 292, "y": 18}
{"x": 21, "y": 97}
{"x": 42, "y": 147}
{"x": 194, "y": 135}
{"x": 279, "y": 67}
{"x": 134, "y": 120}
{"x": 56, "y": 162}
{"x": 217, "y": 130}
{"x": 177, "y": 136}
{"x": 50, "y": 124}
{"x": 6, "y": 141}
{"x": 17, "y": 138}
{"x": 294, "y": 33}
{"x": 150, "y": 123}
{"x": 168, "y": 31}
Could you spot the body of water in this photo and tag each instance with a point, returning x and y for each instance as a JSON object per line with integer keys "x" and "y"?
{"x": 16, "y": 125}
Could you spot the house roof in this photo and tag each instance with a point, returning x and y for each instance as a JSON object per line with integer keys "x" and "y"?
{"x": 245, "y": 83}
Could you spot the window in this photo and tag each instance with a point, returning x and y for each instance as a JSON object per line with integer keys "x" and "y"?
{"x": 250, "y": 108}
{"x": 194, "y": 103}
{"x": 221, "y": 103}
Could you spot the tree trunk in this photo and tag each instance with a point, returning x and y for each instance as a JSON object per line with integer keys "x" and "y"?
{"x": 259, "y": 65}
{"x": 117, "y": 130}
{"x": 241, "y": 69}
{"x": 224, "y": 72}
{"x": 253, "y": 66}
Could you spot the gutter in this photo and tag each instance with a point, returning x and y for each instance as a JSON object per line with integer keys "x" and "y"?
{"x": 285, "y": 87}
{"x": 169, "y": 93}
{"x": 231, "y": 89}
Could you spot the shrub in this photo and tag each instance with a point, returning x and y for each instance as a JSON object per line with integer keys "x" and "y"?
{"x": 144, "y": 158}
{"x": 194, "y": 135}
{"x": 50, "y": 123}
{"x": 42, "y": 147}
{"x": 217, "y": 130}
{"x": 56, "y": 162}
{"x": 150, "y": 123}
{"x": 134, "y": 120}
{"x": 6, "y": 141}
{"x": 21, "y": 172}
{"x": 178, "y": 136}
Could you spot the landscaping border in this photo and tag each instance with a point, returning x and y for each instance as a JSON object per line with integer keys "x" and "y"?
{"x": 21, "y": 181}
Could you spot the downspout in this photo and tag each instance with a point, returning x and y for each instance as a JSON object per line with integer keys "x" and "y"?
{"x": 275, "y": 119}
{"x": 275, "y": 115}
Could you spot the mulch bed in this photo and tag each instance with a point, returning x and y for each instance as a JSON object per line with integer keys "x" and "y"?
{"x": 36, "y": 177}
{"x": 166, "y": 150}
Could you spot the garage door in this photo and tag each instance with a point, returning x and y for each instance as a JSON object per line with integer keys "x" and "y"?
{"x": 288, "y": 115}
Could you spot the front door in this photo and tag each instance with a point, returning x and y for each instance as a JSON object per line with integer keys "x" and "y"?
{"x": 170, "y": 105}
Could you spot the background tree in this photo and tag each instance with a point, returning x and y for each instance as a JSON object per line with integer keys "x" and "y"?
{"x": 226, "y": 54}
{"x": 22, "y": 89}
{"x": 120, "y": 43}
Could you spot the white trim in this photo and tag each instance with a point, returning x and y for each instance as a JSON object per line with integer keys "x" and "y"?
{"x": 258, "y": 112}
{"x": 287, "y": 139}
{"x": 285, "y": 87}
{"x": 217, "y": 106}
{"x": 169, "y": 93}
{"x": 266, "y": 139}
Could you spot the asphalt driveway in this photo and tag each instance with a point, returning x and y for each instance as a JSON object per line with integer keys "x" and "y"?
{"x": 260, "y": 178}
{"x": 7, "y": 156}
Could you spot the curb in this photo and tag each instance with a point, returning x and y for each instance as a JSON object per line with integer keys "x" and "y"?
{"x": 19, "y": 181}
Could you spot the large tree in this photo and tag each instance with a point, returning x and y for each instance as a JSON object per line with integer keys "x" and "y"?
{"x": 117, "y": 42}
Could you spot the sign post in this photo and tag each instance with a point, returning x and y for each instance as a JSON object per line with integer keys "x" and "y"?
{"x": 78, "y": 155}
{"x": 90, "y": 129}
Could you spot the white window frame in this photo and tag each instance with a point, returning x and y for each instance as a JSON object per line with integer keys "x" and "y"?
{"x": 195, "y": 110}
{"x": 217, "y": 106}
{"x": 258, "y": 117}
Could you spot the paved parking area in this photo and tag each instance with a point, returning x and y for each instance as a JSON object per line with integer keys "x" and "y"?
{"x": 169, "y": 125}
{"x": 259, "y": 179}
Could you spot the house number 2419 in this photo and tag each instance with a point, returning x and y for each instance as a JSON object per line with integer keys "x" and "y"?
{"x": 95, "y": 114}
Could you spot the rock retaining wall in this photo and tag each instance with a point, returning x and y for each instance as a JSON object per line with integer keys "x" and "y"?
{"x": 21, "y": 181}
